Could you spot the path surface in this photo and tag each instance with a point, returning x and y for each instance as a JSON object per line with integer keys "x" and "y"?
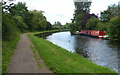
{"x": 23, "y": 60}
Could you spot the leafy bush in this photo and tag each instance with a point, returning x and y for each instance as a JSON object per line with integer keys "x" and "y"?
{"x": 102, "y": 26}
{"x": 9, "y": 30}
{"x": 114, "y": 28}
{"x": 74, "y": 27}
{"x": 20, "y": 23}
{"x": 92, "y": 23}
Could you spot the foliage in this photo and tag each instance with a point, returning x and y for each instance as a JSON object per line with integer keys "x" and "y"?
{"x": 83, "y": 6}
{"x": 86, "y": 18}
{"x": 16, "y": 18}
{"x": 114, "y": 28}
{"x": 8, "y": 48}
{"x": 81, "y": 16}
{"x": 20, "y": 23}
{"x": 102, "y": 26}
{"x": 19, "y": 9}
{"x": 9, "y": 29}
{"x": 66, "y": 26}
{"x": 92, "y": 23}
{"x": 22, "y": 15}
{"x": 54, "y": 56}
{"x": 48, "y": 26}
{"x": 6, "y": 7}
{"x": 57, "y": 25}
{"x": 74, "y": 27}
{"x": 110, "y": 19}
{"x": 38, "y": 20}
{"x": 111, "y": 12}
{"x": 80, "y": 19}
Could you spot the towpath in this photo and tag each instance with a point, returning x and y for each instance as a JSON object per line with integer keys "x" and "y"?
{"x": 23, "y": 60}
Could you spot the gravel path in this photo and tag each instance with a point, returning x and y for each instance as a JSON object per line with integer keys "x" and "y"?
{"x": 23, "y": 60}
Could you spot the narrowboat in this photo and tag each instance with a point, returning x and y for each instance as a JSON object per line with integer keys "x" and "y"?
{"x": 99, "y": 34}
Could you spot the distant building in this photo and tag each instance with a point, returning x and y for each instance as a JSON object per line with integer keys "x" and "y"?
{"x": 81, "y": 4}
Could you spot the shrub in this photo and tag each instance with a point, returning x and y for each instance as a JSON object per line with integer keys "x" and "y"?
{"x": 114, "y": 28}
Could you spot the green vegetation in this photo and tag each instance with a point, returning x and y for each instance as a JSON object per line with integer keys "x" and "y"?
{"x": 17, "y": 19}
{"x": 60, "y": 60}
{"x": 92, "y": 23}
{"x": 108, "y": 21}
{"x": 111, "y": 22}
{"x": 111, "y": 12}
{"x": 38, "y": 21}
{"x": 114, "y": 28}
{"x": 8, "y": 48}
{"x": 9, "y": 30}
{"x": 0, "y": 62}
{"x": 57, "y": 25}
{"x": 35, "y": 56}
{"x": 81, "y": 16}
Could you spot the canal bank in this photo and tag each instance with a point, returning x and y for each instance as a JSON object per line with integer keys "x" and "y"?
{"x": 60, "y": 60}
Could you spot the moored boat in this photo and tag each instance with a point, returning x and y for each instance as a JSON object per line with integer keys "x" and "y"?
{"x": 99, "y": 34}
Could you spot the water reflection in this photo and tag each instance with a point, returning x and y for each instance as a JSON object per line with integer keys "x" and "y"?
{"x": 101, "y": 52}
{"x": 63, "y": 39}
{"x": 98, "y": 51}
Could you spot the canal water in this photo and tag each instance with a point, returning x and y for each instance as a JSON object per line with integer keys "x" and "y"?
{"x": 101, "y": 52}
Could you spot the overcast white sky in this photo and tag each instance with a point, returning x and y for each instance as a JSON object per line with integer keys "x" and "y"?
{"x": 62, "y": 10}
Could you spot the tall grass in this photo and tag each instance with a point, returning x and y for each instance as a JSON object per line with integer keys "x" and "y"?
{"x": 8, "y": 48}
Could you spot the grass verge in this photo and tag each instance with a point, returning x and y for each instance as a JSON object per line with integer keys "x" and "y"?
{"x": 60, "y": 60}
{"x": 8, "y": 48}
{"x": 36, "y": 56}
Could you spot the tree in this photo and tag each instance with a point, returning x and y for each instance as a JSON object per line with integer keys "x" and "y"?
{"x": 48, "y": 26}
{"x": 38, "y": 20}
{"x": 86, "y": 18}
{"x": 83, "y": 6}
{"x": 19, "y": 9}
{"x": 6, "y": 7}
{"x": 73, "y": 27}
{"x": 20, "y": 23}
{"x": 114, "y": 28}
{"x": 92, "y": 23}
{"x": 57, "y": 23}
{"x": 81, "y": 16}
{"x": 102, "y": 26}
{"x": 111, "y": 12}
{"x": 9, "y": 29}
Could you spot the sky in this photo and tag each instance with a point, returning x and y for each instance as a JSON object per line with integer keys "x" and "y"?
{"x": 63, "y": 10}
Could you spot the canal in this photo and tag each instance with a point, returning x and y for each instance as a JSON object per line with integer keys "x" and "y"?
{"x": 101, "y": 52}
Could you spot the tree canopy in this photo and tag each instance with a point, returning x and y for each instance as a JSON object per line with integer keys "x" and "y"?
{"x": 109, "y": 20}
{"x": 81, "y": 16}
{"x": 17, "y": 18}
{"x": 114, "y": 28}
{"x": 92, "y": 23}
{"x": 111, "y": 12}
